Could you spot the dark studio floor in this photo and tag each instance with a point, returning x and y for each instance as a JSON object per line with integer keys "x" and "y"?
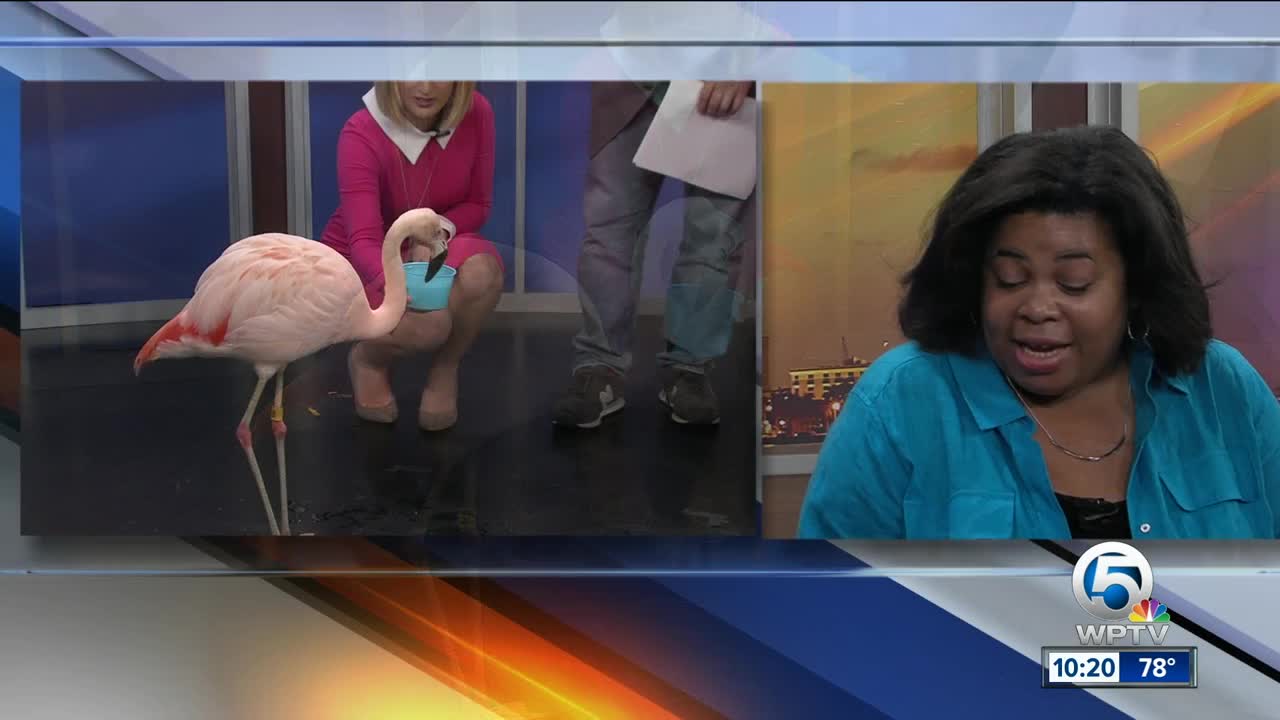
{"x": 105, "y": 453}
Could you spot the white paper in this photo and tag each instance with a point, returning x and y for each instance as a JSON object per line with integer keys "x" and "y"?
{"x": 718, "y": 154}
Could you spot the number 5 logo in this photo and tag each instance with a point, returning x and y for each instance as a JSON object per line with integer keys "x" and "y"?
{"x": 1110, "y": 578}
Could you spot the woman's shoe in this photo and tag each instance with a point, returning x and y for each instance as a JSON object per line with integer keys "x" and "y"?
{"x": 435, "y": 422}
{"x": 444, "y": 411}
{"x": 385, "y": 414}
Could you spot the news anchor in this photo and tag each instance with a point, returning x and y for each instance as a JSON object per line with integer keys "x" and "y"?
{"x": 413, "y": 145}
{"x": 1060, "y": 378}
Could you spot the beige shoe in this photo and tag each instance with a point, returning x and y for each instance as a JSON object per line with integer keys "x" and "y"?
{"x": 435, "y": 422}
{"x": 385, "y": 414}
{"x": 440, "y": 419}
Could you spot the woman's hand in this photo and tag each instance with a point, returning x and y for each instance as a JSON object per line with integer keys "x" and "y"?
{"x": 423, "y": 249}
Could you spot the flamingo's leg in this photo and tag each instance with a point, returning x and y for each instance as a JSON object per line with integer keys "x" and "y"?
{"x": 246, "y": 441}
{"x": 279, "y": 429}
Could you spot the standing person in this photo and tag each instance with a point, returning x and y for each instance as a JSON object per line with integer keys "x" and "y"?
{"x": 418, "y": 144}
{"x": 618, "y": 205}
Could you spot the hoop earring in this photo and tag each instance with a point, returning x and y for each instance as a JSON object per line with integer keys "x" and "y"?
{"x": 1146, "y": 333}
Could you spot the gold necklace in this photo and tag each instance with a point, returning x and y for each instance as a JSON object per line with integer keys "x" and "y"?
{"x": 1124, "y": 433}
{"x": 404, "y": 183}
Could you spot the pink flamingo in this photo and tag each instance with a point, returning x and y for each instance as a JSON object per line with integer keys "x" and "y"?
{"x": 272, "y": 299}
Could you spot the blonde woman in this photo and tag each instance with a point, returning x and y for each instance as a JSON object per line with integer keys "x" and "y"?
{"x": 413, "y": 145}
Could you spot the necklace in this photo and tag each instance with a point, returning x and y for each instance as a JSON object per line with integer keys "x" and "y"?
{"x": 1124, "y": 434}
{"x": 404, "y": 183}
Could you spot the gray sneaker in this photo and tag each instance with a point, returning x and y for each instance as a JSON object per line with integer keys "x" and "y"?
{"x": 689, "y": 397}
{"x": 595, "y": 394}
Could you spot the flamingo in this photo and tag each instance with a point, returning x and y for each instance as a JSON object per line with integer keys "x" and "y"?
{"x": 273, "y": 299}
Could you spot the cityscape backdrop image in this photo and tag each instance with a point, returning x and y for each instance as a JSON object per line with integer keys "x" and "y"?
{"x": 854, "y": 173}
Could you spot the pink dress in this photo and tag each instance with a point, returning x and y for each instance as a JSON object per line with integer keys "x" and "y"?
{"x": 385, "y": 170}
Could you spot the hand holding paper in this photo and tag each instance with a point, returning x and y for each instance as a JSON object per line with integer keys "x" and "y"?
{"x": 715, "y": 153}
{"x": 720, "y": 99}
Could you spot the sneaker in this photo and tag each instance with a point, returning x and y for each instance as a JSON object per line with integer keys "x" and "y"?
{"x": 689, "y": 397}
{"x": 595, "y": 394}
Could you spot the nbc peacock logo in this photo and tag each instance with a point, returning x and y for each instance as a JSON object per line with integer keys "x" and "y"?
{"x": 1149, "y": 611}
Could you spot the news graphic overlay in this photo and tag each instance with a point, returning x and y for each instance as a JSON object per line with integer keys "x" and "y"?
{"x": 1113, "y": 582}
{"x": 1119, "y": 667}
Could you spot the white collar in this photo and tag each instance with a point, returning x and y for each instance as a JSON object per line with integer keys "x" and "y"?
{"x": 408, "y": 138}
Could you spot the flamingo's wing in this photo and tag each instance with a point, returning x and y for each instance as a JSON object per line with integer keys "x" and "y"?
{"x": 276, "y": 294}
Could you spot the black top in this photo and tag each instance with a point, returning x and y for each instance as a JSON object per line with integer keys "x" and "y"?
{"x": 1095, "y": 519}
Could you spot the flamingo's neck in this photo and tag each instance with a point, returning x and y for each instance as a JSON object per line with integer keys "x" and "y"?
{"x": 385, "y": 319}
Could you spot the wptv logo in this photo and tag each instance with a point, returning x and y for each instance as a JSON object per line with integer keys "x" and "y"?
{"x": 1113, "y": 582}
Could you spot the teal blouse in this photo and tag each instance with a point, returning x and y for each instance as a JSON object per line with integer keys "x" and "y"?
{"x": 933, "y": 446}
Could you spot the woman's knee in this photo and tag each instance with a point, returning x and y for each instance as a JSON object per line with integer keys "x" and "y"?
{"x": 480, "y": 277}
{"x": 423, "y": 330}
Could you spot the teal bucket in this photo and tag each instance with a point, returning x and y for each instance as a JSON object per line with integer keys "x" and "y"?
{"x": 428, "y": 296}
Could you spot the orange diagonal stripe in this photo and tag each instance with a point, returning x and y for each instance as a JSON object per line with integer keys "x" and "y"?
{"x": 1208, "y": 122}
{"x": 468, "y": 645}
{"x": 489, "y": 658}
{"x": 1228, "y": 214}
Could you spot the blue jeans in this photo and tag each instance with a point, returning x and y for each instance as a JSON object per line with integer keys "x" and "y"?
{"x": 700, "y": 304}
